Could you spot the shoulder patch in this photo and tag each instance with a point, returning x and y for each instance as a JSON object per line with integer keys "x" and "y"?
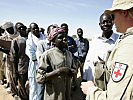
{"x": 119, "y": 71}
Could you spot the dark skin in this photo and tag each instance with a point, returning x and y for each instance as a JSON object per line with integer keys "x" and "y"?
{"x": 61, "y": 41}
{"x": 27, "y": 30}
{"x": 106, "y": 24}
{"x": 65, "y": 29}
{"x": 1, "y": 31}
{"x": 22, "y": 30}
{"x": 80, "y": 33}
{"x": 10, "y": 30}
{"x": 50, "y": 27}
{"x": 41, "y": 30}
{"x": 35, "y": 29}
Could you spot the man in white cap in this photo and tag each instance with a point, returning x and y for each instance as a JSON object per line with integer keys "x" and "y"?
{"x": 120, "y": 62}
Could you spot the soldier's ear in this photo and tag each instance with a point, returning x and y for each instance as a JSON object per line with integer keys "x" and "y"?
{"x": 124, "y": 13}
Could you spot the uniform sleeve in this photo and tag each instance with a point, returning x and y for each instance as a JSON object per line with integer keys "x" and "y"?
{"x": 118, "y": 87}
{"x": 95, "y": 93}
{"x": 122, "y": 57}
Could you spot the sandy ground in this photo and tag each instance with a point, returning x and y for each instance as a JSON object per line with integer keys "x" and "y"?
{"x": 4, "y": 95}
{"x": 76, "y": 95}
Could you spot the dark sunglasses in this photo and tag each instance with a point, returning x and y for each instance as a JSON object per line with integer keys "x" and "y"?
{"x": 2, "y": 30}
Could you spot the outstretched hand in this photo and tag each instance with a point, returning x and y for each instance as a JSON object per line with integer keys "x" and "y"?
{"x": 85, "y": 86}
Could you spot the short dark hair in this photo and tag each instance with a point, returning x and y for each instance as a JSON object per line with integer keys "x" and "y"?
{"x": 18, "y": 23}
{"x": 80, "y": 29}
{"x": 32, "y": 23}
{"x": 64, "y": 24}
{"x": 110, "y": 15}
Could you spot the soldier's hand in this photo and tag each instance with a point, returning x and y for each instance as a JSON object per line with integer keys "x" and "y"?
{"x": 85, "y": 86}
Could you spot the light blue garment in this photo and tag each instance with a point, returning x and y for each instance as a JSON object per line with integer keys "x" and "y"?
{"x": 40, "y": 91}
{"x": 31, "y": 46}
{"x": 37, "y": 90}
{"x": 99, "y": 46}
{"x": 82, "y": 49}
{"x": 33, "y": 95}
{"x": 41, "y": 47}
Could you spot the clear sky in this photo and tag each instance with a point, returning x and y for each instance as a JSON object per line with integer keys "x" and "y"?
{"x": 76, "y": 13}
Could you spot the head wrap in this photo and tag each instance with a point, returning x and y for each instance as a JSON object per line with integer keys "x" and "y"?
{"x": 54, "y": 32}
{"x": 7, "y": 25}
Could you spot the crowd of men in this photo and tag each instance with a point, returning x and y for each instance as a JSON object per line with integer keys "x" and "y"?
{"x": 22, "y": 52}
{"x": 39, "y": 66}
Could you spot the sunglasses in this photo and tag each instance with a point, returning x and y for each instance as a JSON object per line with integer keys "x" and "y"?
{"x": 2, "y": 30}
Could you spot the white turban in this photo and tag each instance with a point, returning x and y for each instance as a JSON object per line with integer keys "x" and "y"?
{"x": 7, "y": 25}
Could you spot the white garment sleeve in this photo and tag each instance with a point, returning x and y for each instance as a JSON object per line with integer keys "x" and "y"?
{"x": 88, "y": 68}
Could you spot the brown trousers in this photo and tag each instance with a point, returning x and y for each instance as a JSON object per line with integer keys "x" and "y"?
{"x": 22, "y": 78}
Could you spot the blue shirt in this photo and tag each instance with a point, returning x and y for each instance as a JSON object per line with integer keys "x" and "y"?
{"x": 82, "y": 49}
{"x": 70, "y": 43}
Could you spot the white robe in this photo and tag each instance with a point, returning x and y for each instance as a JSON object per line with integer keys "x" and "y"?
{"x": 31, "y": 46}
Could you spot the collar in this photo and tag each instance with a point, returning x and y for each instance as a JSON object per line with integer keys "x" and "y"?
{"x": 127, "y": 33}
{"x": 60, "y": 50}
{"x": 111, "y": 38}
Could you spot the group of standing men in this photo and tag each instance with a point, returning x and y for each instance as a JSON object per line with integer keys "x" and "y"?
{"x": 24, "y": 54}
{"x": 52, "y": 61}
